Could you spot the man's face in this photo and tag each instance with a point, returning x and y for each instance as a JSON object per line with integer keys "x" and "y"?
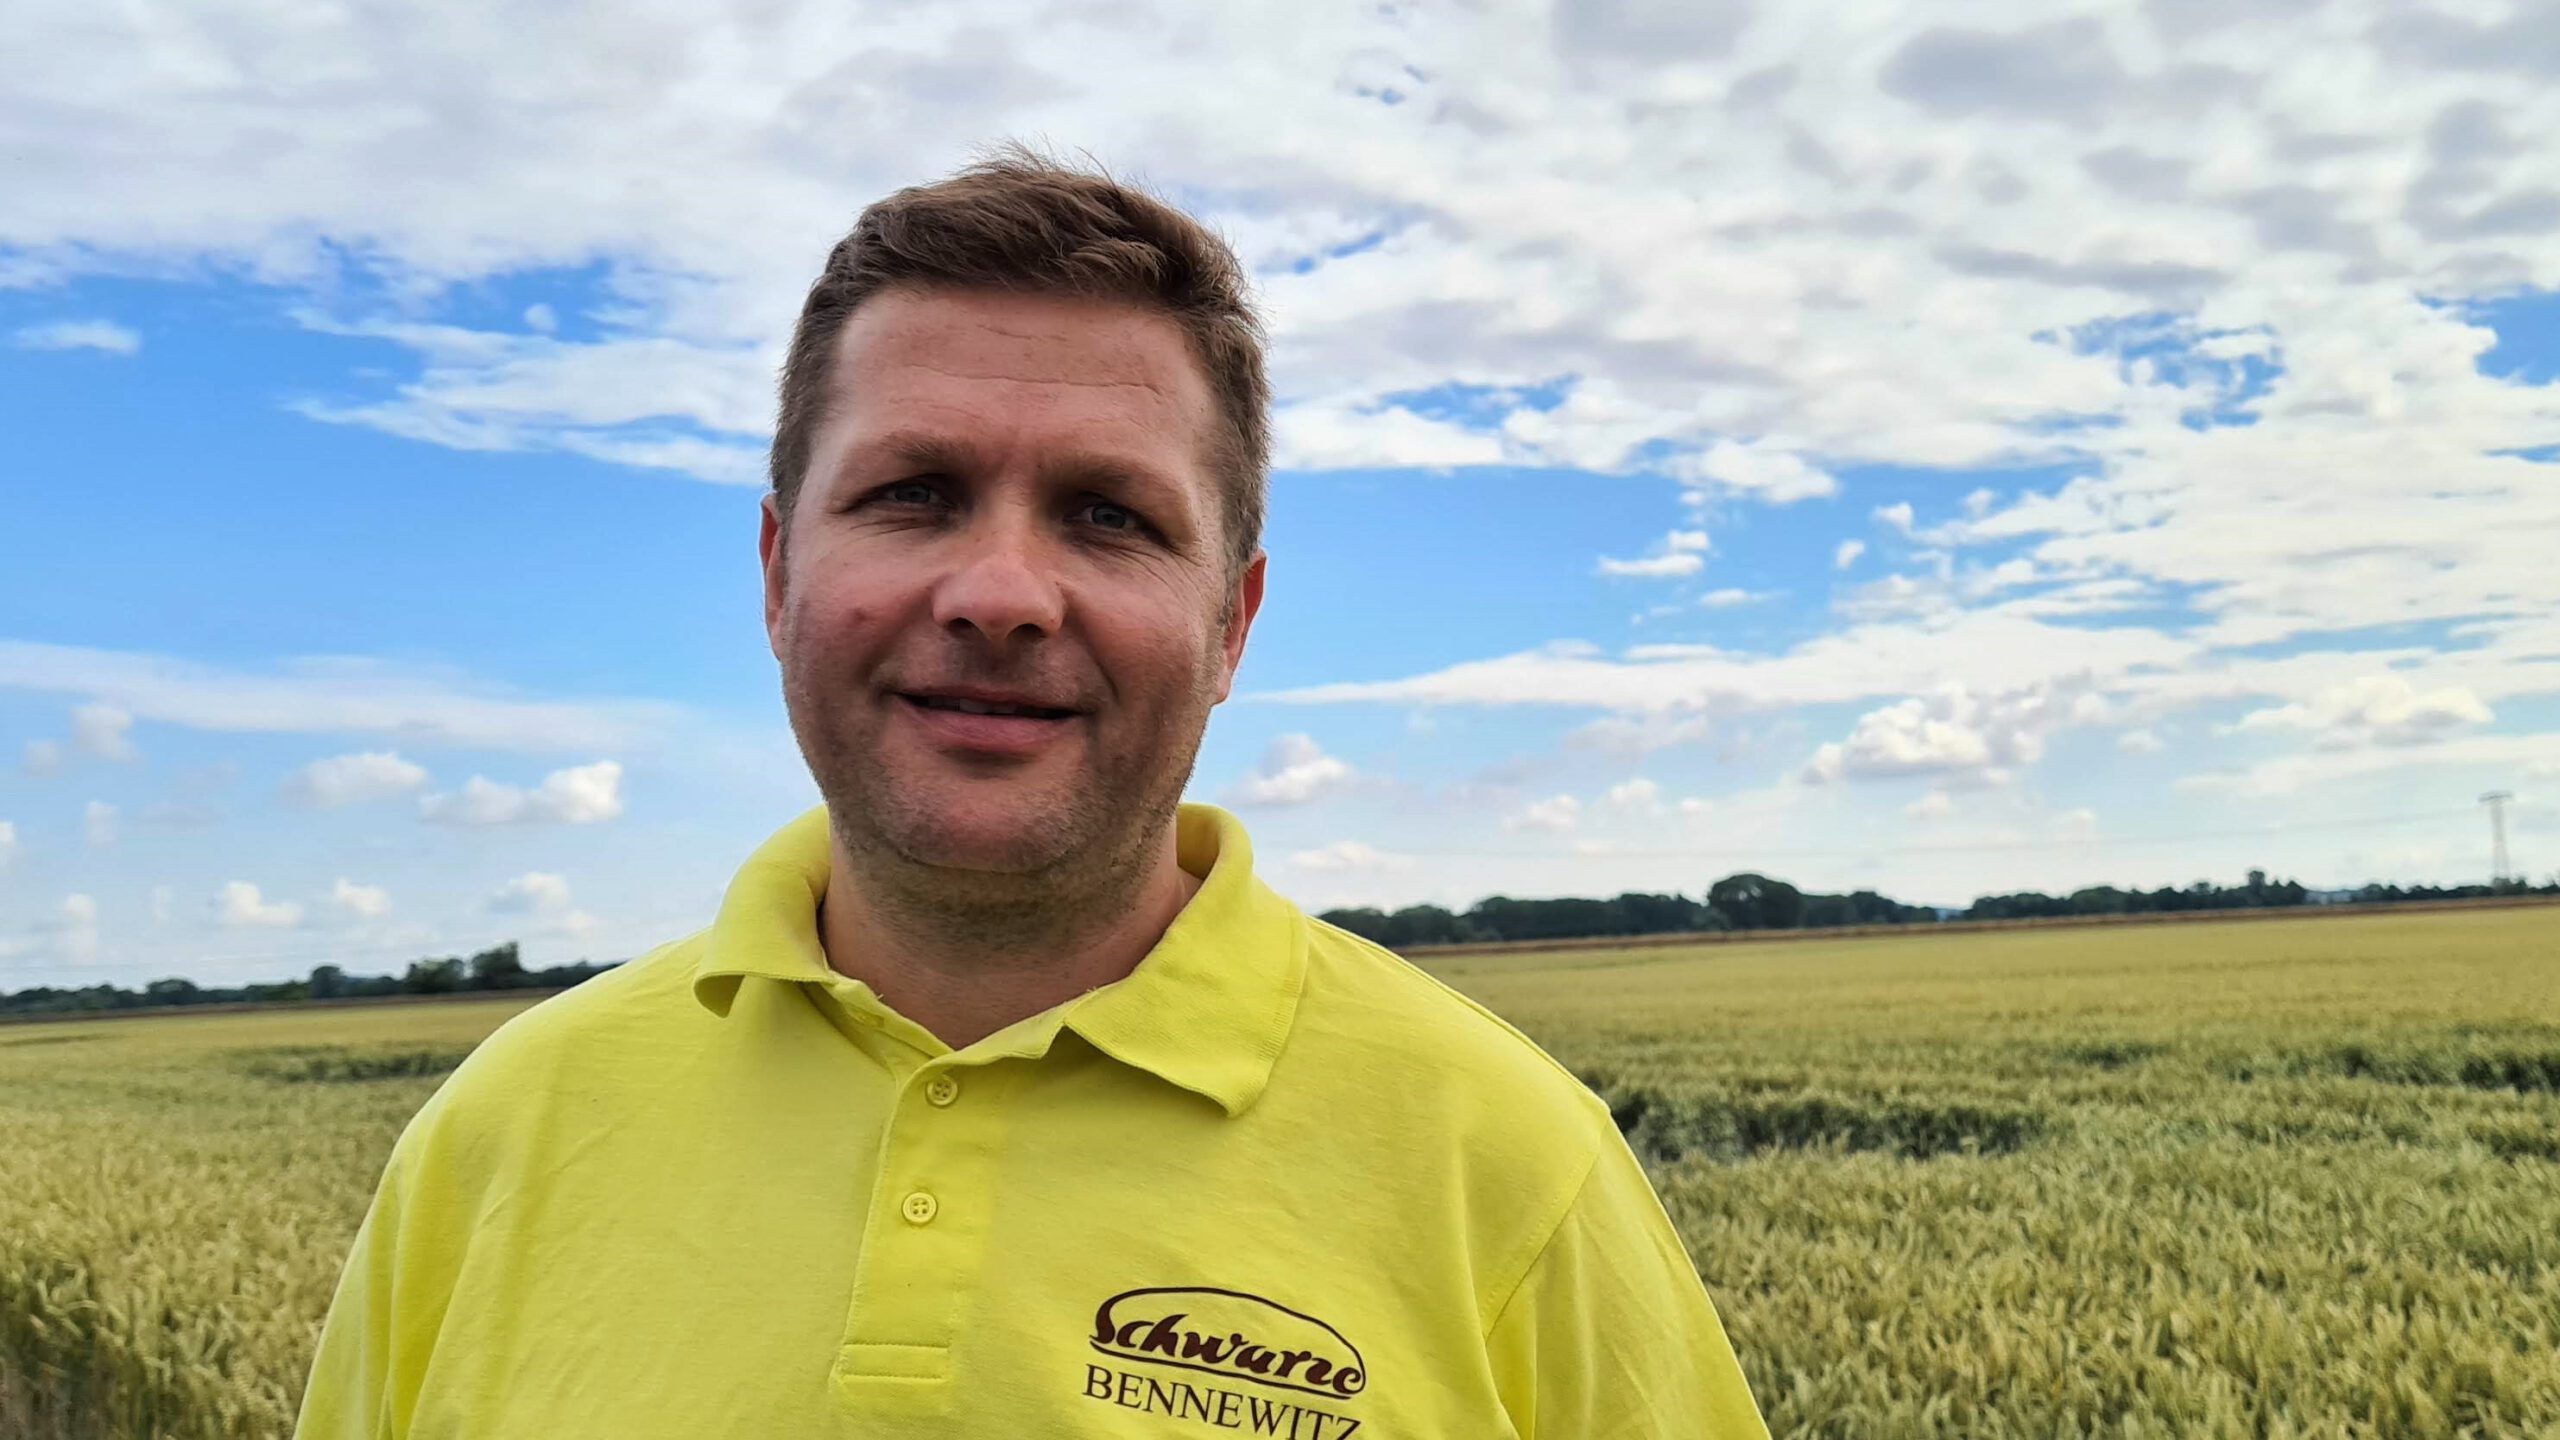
{"x": 1007, "y": 496}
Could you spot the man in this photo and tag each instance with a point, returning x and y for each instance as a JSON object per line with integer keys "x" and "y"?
{"x": 1002, "y": 1099}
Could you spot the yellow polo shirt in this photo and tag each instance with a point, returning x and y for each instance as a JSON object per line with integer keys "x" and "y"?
{"x": 1276, "y": 1181}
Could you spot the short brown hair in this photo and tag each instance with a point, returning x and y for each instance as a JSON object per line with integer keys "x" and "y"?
{"x": 1018, "y": 221}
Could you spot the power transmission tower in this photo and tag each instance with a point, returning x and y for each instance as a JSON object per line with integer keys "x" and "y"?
{"x": 2497, "y": 800}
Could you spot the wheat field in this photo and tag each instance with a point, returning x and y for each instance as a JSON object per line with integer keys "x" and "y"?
{"x": 2275, "y": 1179}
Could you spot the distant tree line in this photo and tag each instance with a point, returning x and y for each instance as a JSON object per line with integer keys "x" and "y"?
{"x": 496, "y": 968}
{"x": 1737, "y": 902}
{"x": 1747, "y": 901}
{"x": 1751, "y": 901}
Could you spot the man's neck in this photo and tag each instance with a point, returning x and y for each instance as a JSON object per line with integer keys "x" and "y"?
{"x": 950, "y": 980}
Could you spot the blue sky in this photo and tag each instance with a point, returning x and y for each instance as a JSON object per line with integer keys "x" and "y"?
{"x": 1702, "y": 447}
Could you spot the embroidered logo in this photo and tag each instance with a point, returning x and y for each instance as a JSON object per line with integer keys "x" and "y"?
{"x": 1229, "y": 1335}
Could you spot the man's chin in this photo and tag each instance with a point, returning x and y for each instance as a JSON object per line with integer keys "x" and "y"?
{"x": 971, "y": 834}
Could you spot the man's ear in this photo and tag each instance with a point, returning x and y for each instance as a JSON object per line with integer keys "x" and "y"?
{"x": 1243, "y": 605}
{"x": 770, "y": 552}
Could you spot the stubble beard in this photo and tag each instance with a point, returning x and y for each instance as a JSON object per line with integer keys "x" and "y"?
{"x": 1079, "y": 865}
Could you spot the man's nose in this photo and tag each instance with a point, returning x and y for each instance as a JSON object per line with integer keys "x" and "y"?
{"x": 1002, "y": 580}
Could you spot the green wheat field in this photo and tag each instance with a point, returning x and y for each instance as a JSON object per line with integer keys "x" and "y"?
{"x": 2266, "y": 1179}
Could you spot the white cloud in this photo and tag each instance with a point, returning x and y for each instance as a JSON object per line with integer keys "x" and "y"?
{"x": 102, "y": 730}
{"x": 1654, "y": 567}
{"x": 580, "y": 795}
{"x": 354, "y": 779}
{"x": 100, "y": 821}
{"x": 320, "y": 695}
{"x": 1685, "y": 542}
{"x": 363, "y": 902}
{"x": 543, "y": 896}
{"x": 1950, "y": 732}
{"x": 40, "y": 758}
{"x": 1639, "y": 796}
{"x": 1349, "y": 856}
{"x": 1294, "y": 771}
{"x": 1761, "y": 472}
{"x": 2140, "y": 742}
{"x": 105, "y": 335}
{"x": 79, "y": 920}
{"x": 1557, "y": 813}
{"x": 2535, "y": 755}
{"x": 1848, "y": 553}
{"x": 1937, "y": 804}
{"x": 1728, "y": 598}
{"x": 8, "y": 843}
{"x": 238, "y": 904}
{"x": 2376, "y": 709}
{"x": 531, "y": 893}
{"x": 1897, "y": 515}
{"x": 1640, "y": 735}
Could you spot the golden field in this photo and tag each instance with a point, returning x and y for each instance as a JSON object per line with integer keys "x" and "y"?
{"x": 2273, "y": 1179}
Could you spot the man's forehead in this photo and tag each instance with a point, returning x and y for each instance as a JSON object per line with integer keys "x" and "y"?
{"x": 1113, "y": 386}
{"x": 1029, "y": 338}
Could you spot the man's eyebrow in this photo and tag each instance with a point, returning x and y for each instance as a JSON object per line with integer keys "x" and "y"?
{"x": 916, "y": 450}
{"x": 1078, "y": 467}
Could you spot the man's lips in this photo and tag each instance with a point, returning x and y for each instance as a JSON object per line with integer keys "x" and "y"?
{"x": 1014, "y": 735}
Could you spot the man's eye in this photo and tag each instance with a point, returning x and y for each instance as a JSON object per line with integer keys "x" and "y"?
{"x": 918, "y": 492}
{"x": 1115, "y": 517}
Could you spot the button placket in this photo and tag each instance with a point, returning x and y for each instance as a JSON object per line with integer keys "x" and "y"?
{"x": 924, "y": 1242}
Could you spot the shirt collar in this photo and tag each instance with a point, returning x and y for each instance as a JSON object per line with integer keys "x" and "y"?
{"x": 1207, "y": 1009}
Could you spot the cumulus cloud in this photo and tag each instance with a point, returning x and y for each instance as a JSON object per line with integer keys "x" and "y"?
{"x": 1655, "y": 567}
{"x": 353, "y": 779}
{"x": 1559, "y": 813}
{"x": 102, "y": 335}
{"x": 532, "y": 892}
{"x": 1344, "y": 856}
{"x": 1848, "y": 553}
{"x": 1294, "y": 771}
{"x": 361, "y": 902}
{"x": 2376, "y": 710}
{"x": 1640, "y": 796}
{"x": 1761, "y": 472}
{"x": 40, "y": 758}
{"x": 1951, "y": 732}
{"x": 102, "y": 730}
{"x": 8, "y": 843}
{"x": 2140, "y": 742}
{"x": 240, "y": 905}
{"x": 79, "y": 927}
{"x": 580, "y": 795}
{"x": 1726, "y": 599}
{"x": 543, "y": 896}
{"x": 99, "y": 819}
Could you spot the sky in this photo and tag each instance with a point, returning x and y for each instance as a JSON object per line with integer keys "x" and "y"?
{"x": 1938, "y": 449}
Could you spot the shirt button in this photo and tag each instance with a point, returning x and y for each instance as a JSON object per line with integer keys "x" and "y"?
{"x": 942, "y": 1090}
{"x": 920, "y": 1208}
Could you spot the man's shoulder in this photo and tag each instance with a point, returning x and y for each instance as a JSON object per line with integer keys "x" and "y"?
{"x": 578, "y": 1041}
{"x": 1402, "y": 1016}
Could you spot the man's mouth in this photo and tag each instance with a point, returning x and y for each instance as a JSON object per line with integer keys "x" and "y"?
{"x": 985, "y": 707}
